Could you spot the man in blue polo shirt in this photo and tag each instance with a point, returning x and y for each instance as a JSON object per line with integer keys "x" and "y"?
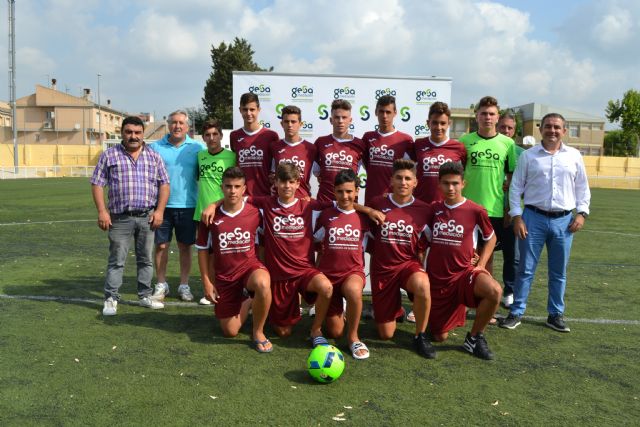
{"x": 180, "y": 155}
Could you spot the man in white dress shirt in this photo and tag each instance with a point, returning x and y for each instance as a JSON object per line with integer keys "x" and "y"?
{"x": 552, "y": 179}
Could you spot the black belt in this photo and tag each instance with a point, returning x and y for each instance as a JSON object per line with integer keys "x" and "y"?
{"x": 554, "y": 214}
{"x": 143, "y": 212}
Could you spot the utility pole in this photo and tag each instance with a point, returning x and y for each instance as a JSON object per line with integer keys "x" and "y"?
{"x": 12, "y": 79}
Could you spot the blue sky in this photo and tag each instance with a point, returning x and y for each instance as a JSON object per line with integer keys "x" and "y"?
{"x": 154, "y": 55}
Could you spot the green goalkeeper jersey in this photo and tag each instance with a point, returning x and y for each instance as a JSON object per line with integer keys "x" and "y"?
{"x": 488, "y": 160}
{"x": 210, "y": 169}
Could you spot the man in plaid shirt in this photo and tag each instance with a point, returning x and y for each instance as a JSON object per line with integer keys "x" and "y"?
{"x": 138, "y": 193}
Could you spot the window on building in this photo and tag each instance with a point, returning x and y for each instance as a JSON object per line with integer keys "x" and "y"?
{"x": 574, "y": 131}
{"x": 459, "y": 126}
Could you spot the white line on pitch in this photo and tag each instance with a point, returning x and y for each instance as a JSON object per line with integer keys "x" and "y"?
{"x": 47, "y": 222}
{"x": 611, "y": 232}
{"x": 196, "y": 305}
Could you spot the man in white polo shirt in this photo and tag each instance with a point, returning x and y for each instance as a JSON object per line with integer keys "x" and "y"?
{"x": 552, "y": 179}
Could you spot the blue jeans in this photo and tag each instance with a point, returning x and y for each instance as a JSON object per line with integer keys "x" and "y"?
{"x": 555, "y": 234}
{"x": 511, "y": 259}
{"x": 123, "y": 227}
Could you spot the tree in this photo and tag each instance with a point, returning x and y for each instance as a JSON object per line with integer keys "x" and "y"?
{"x": 618, "y": 145}
{"x": 627, "y": 113}
{"x": 197, "y": 115}
{"x": 218, "y": 92}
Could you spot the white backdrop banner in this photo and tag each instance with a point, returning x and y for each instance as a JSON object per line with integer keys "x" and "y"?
{"x": 313, "y": 94}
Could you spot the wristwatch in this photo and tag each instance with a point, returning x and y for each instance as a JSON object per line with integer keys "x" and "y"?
{"x": 584, "y": 214}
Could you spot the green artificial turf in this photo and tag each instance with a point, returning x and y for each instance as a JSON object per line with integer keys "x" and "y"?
{"x": 63, "y": 364}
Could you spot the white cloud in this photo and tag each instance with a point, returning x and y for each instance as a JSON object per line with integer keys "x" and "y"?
{"x": 155, "y": 56}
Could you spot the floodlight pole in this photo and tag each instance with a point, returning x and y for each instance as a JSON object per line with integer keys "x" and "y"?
{"x": 12, "y": 79}
{"x": 99, "y": 113}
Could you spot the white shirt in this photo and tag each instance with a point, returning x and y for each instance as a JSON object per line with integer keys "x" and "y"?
{"x": 551, "y": 182}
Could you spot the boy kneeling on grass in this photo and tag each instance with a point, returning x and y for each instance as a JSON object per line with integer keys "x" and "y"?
{"x": 453, "y": 227}
{"x": 229, "y": 265}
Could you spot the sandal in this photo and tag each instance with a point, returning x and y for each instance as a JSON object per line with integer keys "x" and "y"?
{"x": 357, "y": 346}
{"x": 264, "y": 343}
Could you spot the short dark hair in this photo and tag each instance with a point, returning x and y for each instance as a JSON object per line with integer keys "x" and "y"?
{"x": 249, "y": 97}
{"x": 340, "y": 104}
{"x": 211, "y": 123}
{"x": 132, "y": 120}
{"x": 451, "y": 168}
{"x": 508, "y": 115}
{"x": 487, "y": 101}
{"x": 292, "y": 109}
{"x": 438, "y": 108}
{"x": 346, "y": 175}
{"x": 554, "y": 116}
{"x": 385, "y": 100}
{"x": 287, "y": 171}
{"x": 404, "y": 164}
{"x": 234, "y": 172}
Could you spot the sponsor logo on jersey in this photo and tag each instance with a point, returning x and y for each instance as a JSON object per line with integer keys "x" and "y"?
{"x": 386, "y": 209}
{"x": 339, "y": 158}
{"x": 433, "y": 163}
{"x": 398, "y": 231}
{"x": 382, "y": 152}
{"x": 241, "y": 139}
{"x": 344, "y": 234}
{"x": 486, "y": 157}
{"x": 448, "y": 229}
{"x": 218, "y": 222}
{"x": 333, "y": 218}
{"x": 251, "y": 154}
{"x": 296, "y": 161}
{"x": 281, "y": 150}
{"x": 288, "y": 223}
{"x": 328, "y": 145}
{"x": 234, "y": 238}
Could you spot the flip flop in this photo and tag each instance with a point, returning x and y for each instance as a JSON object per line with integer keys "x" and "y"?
{"x": 319, "y": 340}
{"x": 357, "y": 346}
{"x": 258, "y": 343}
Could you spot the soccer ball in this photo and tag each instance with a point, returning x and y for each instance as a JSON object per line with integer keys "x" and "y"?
{"x": 325, "y": 363}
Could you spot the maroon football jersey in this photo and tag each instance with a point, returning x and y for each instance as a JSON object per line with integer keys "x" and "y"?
{"x": 334, "y": 155}
{"x": 429, "y": 157}
{"x": 396, "y": 241}
{"x": 254, "y": 158}
{"x": 232, "y": 238}
{"x": 343, "y": 235}
{"x": 302, "y": 154}
{"x": 288, "y": 234}
{"x": 453, "y": 233}
{"x": 381, "y": 150}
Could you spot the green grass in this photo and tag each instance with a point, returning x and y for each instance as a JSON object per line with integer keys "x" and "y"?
{"x": 161, "y": 367}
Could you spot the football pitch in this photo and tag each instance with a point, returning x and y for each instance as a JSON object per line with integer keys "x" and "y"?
{"x": 62, "y": 363}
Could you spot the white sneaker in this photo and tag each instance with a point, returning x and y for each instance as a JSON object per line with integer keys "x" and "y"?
{"x": 148, "y": 302}
{"x": 110, "y": 307}
{"x": 204, "y": 301}
{"x": 507, "y": 300}
{"x": 161, "y": 291}
{"x": 312, "y": 311}
{"x": 184, "y": 292}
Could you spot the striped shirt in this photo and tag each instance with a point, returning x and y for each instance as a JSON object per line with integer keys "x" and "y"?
{"x": 133, "y": 184}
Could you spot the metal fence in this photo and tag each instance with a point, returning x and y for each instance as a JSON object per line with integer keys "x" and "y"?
{"x": 46, "y": 172}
